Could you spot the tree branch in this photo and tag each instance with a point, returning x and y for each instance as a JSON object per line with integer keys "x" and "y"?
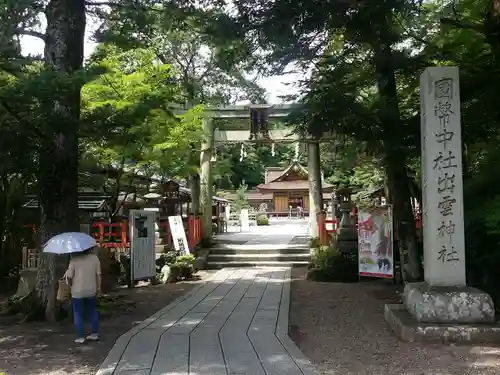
{"x": 21, "y": 121}
{"x": 114, "y": 4}
{"x": 35, "y": 34}
{"x": 463, "y": 24}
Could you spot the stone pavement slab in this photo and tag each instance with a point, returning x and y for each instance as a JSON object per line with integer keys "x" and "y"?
{"x": 234, "y": 324}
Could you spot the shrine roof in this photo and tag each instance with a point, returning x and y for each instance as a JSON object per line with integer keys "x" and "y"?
{"x": 84, "y": 203}
{"x": 274, "y": 174}
{"x": 291, "y": 185}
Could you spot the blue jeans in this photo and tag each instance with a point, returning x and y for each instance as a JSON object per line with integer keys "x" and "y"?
{"x": 79, "y": 307}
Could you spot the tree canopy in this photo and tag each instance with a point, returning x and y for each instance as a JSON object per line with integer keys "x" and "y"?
{"x": 66, "y": 123}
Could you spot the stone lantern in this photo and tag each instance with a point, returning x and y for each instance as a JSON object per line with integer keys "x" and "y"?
{"x": 347, "y": 233}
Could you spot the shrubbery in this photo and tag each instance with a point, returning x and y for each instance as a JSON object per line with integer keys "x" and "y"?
{"x": 262, "y": 219}
{"x": 330, "y": 264}
{"x": 181, "y": 267}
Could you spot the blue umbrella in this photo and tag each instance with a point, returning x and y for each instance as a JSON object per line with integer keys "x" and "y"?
{"x": 68, "y": 243}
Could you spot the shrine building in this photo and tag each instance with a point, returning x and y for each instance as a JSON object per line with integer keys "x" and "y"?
{"x": 285, "y": 187}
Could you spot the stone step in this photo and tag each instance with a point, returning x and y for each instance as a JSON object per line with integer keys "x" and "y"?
{"x": 260, "y": 250}
{"x": 251, "y": 257}
{"x": 255, "y": 263}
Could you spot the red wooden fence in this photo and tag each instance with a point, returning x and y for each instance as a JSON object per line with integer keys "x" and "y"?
{"x": 117, "y": 234}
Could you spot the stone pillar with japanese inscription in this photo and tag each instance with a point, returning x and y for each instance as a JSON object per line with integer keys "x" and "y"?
{"x": 444, "y": 296}
{"x": 443, "y": 208}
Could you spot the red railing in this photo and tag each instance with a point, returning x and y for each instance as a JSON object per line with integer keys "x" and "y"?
{"x": 194, "y": 230}
{"x": 116, "y": 234}
{"x": 111, "y": 234}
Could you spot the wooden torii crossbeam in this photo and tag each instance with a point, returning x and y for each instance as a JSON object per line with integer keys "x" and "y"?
{"x": 224, "y": 134}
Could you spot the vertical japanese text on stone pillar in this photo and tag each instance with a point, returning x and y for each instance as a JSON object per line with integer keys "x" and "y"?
{"x": 445, "y": 168}
{"x": 444, "y": 261}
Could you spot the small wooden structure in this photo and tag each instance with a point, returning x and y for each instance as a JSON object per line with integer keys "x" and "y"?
{"x": 90, "y": 205}
{"x": 285, "y": 189}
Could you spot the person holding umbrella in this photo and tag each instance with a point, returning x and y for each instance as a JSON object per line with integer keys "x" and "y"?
{"x": 84, "y": 277}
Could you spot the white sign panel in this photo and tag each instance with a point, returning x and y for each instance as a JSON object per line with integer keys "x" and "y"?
{"x": 142, "y": 244}
{"x": 442, "y": 190}
{"x": 245, "y": 222}
{"x": 178, "y": 234}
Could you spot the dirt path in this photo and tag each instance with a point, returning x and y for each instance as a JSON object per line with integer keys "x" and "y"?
{"x": 39, "y": 348}
{"x": 341, "y": 328}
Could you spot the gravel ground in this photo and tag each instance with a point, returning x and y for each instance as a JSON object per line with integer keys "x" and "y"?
{"x": 341, "y": 328}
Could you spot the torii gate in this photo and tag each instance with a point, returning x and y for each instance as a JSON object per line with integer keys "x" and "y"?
{"x": 234, "y": 132}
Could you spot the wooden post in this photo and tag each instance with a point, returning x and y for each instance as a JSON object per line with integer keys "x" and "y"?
{"x": 206, "y": 177}
{"x": 191, "y": 231}
{"x": 124, "y": 233}
{"x": 195, "y": 193}
{"x": 315, "y": 189}
{"x": 100, "y": 225}
{"x": 321, "y": 227}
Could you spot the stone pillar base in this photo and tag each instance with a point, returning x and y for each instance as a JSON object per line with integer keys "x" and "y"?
{"x": 448, "y": 305}
{"x": 444, "y": 314}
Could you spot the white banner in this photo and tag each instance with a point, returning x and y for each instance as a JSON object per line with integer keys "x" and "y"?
{"x": 178, "y": 234}
{"x": 375, "y": 247}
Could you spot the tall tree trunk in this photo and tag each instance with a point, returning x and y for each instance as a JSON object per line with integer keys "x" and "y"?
{"x": 397, "y": 178}
{"x": 58, "y": 157}
{"x": 4, "y": 191}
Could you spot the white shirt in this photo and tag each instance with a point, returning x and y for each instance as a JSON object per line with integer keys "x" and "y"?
{"x": 83, "y": 271}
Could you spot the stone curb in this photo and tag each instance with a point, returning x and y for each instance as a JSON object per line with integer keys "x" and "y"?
{"x": 293, "y": 350}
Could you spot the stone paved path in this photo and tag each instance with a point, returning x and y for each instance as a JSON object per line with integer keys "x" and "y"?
{"x": 235, "y": 324}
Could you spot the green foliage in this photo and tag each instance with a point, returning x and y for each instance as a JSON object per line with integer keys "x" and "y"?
{"x": 364, "y": 90}
{"x": 209, "y": 68}
{"x": 167, "y": 258}
{"x": 186, "y": 264}
{"x": 181, "y": 266}
{"x": 482, "y": 221}
{"x": 262, "y": 219}
{"x": 230, "y": 171}
{"x": 240, "y": 200}
{"x": 187, "y": 258}
{"x": 320, "y": 255}
{"x": 330, "y": 264}
{"x": 314, "y": 243}
{"x": 128, "y": 123}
